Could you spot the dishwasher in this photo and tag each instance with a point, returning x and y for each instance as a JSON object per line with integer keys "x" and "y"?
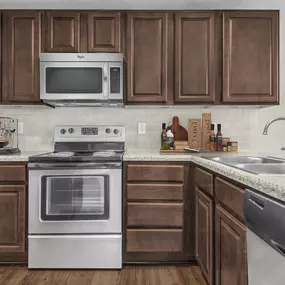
{"x": 265, "y": 232}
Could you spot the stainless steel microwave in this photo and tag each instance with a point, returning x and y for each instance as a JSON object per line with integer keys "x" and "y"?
{"x": 85, "y": 79}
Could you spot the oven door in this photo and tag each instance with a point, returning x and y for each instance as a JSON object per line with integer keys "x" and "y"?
{"x": 74, "y": 81}
{"x": 75, "y": 200}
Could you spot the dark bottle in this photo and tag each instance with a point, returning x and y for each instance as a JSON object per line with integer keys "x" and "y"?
{"x": 219, "y": 139}
{"x": 163, "y": 134}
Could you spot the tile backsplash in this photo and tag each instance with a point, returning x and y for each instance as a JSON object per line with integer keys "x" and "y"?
{"x": 39, "y": 121}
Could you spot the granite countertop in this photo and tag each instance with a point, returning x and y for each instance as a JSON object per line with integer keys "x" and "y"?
{"x": 23, "y": 156}
{"x": 272, "y": 185}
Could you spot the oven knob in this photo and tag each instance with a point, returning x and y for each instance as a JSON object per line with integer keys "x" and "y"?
{"x": 71, "y": 130}
{"x": 108, "y": 130}
{"x": 116, "y": 131}
{"x": 62, "y": 131}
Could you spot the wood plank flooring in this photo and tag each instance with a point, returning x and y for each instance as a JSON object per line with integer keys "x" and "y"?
{"x": 129, "y": 275}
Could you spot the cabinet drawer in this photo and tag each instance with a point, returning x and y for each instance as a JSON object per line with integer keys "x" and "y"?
{"x": 155, "y": 172}
{"x": 155, "y": 191}
{"x": 12, "y": 173}
{"x": 155, "y": 214}
{"x": 154, "y": 241}
{"x": 230, "y": 195}
{"x": 204, "y": 180}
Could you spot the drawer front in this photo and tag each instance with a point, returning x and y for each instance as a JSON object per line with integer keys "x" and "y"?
{"x": 12, "y": 173}
{"x": 230, "y": 195}
{"x": 204, "y": 180}
{"x": 155, "y": 191}
{"x": 154, "y": 241}
{"x": 155, "y": 214}
{"x": 147, "y": 172}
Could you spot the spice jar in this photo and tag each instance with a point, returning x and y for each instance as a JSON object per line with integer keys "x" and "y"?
{"x": 229, "y": 147}
{"x": 234, "y": 146}
{"x": 225, "y": 147}
{"x": 225, "y": 141}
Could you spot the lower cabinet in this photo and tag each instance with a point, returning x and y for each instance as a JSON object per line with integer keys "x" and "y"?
{"x": 12, "y": 218}
{"x": 230, "y": 249}
{"x": 13, "y": 215}
{"x": 204, "y": 234}
{"x": 159, "y": 213}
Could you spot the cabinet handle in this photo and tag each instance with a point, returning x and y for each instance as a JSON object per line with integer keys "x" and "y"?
{"x": 80, "y": 56}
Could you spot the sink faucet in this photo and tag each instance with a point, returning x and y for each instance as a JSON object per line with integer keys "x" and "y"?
{"x": 265, "y": 130}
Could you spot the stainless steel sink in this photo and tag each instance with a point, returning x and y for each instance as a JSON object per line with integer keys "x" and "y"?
{"x": 263, "y": 169}
{"x": 234, "y": 160}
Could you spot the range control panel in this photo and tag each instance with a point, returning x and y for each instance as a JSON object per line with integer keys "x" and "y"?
{"x": 89, "y": 133}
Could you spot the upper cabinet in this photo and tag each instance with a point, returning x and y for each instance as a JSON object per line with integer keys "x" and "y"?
{"x": 171, "y": 57}
{"x": 69, "y": 31}
{"x": 195, "y": 55}
{"x": 20, "y": 56}
{"x": 104, "y": 32}
{"x": 147, "y": 57}
{"x": 62, "y": 31}
{"x": 251, "y": 57}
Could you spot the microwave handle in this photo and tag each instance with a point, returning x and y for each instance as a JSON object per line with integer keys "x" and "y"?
{"x": 105, "y": 81}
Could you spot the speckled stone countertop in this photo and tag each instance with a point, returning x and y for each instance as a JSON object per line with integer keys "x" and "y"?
{"x": 23, "y": 156}
{"x": 272, "y": 185}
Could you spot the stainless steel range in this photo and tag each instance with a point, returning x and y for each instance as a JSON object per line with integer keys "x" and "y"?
{"x": 75, "y": 200}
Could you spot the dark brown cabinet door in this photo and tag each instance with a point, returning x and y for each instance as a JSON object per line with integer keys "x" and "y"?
{"x": 204, "y": 234}
{"x": 230, "y": 250}
{"x": 62, "y": 31}
{"x": 12, "y": 219}
{"x": 147, "y": 37}
{"x": 104, "y": 32}
{"x": 251, "y": 56}
{"x": 21, "y": 49}
{"x": 195, "y": 57}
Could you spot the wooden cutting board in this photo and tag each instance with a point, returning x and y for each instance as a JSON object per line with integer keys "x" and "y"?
{"x": 180, "y": 133}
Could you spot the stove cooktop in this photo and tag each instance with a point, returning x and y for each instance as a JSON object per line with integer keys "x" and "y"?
{"x": 102, "y": 156}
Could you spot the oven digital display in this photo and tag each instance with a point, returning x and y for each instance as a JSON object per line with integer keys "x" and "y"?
{"x": 89, "y": 131}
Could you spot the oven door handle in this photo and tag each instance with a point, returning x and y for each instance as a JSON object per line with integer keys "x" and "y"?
{"x": 59, "y": 165}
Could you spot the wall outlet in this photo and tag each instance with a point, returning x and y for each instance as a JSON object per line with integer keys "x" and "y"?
{"x": 20, "y": 128}
{"x": 141, "y": 128}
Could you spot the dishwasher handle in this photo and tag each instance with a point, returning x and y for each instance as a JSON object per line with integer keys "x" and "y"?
{"x": 256, "y": 202}
{"x": 278, "y": 247}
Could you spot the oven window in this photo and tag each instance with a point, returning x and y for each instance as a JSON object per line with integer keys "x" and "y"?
{"x": 75, "y": 198}
{"x": 74, "y": 80}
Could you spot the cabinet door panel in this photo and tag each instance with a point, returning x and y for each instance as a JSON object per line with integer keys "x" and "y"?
{"x": 204, "y": 234}
{"x": 62, "y": 31}
{"x": 158, "y": 172}
{"x": 251, "y": 56}
{"x": 195, "y": 57}
{"x": 21, "y": 49}
{"x": 155, "y": 214}
{"x": 12, "y": 219}
{"x": 104, "y": 32}
{"x": 231, "y": 258}
{"x": 154, "y": 240}
{"x": 147, "y": 57}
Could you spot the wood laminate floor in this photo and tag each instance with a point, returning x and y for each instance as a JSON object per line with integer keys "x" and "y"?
{"x": 129, "y": 275}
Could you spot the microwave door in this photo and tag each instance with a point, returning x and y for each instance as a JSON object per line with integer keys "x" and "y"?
{"x": 73, "y": 81}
